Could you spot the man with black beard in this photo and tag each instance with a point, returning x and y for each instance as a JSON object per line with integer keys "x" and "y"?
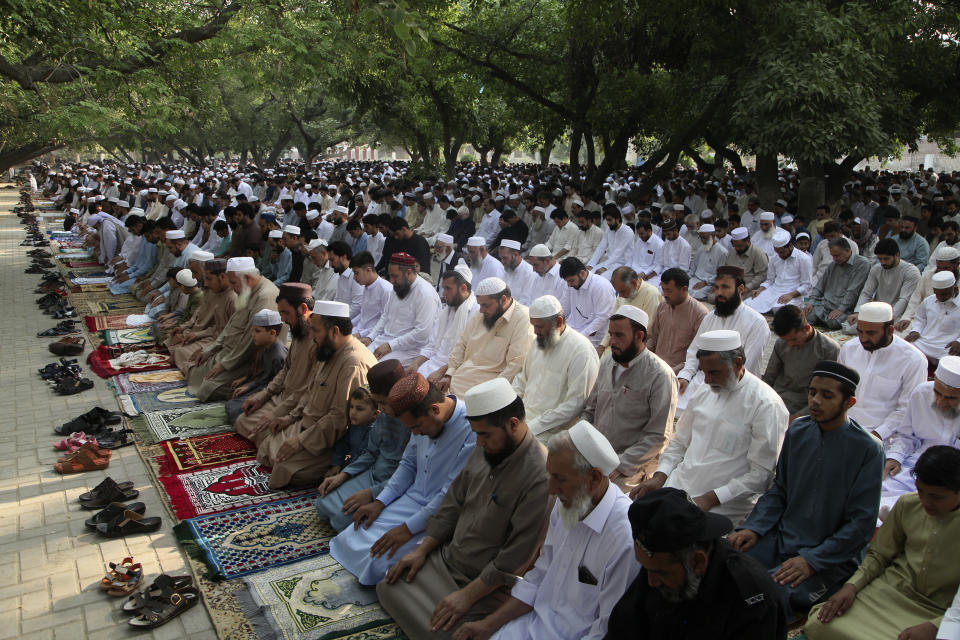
{"x": 486, "y": 530}
{"x": 693, "y": 584}
{"x": 262, "y": 411}
{"x": 407, "y": 321}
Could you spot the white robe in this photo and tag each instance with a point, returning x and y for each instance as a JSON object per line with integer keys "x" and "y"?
{"x": 938, "y": 324}
{"x": 614, "y": 250}
{"x": 784, "y": 276}
{"x": 646, "y": 256}
{"x": 374, "y": 301}
{"x": 450, "y": 325}
{"x": 523, "y": 283}
{"x": 673, "y": 254}
{"x": 489, "y": 267}
{"x": 406, "y": 324}
{"x": 591, "y": 306}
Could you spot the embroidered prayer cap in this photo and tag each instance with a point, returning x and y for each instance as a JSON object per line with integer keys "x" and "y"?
{"x": 490, "y": 286}
{"x": 707, "y": 228}
{"x": 948, "y": 371}
{"x": 488, "y": 397}
{"x": 316, "y": 244}
{"x": 407, "y": 392}
{"x": 428, "y": 194}
{"x": 215, "y": 266}
{"x": 594, "y": 446}
{"x": 331, "y": 309}
{"x": 767, "y": 216}
{"x": 266, "y": 318}
{"x": 781, "y": 238}
{"x": 175, "y": 234}
{"x": 201, "y": 256}
{"x": 296, "y": 290}
{"x": 275, "y": 233}
{"x": 875, "y": 312}
{"x": 545, "y": 307}
{"x": 667, "y": 520}
{"x": 943, "y": 280}
{"x": 476, "y": 241}
{"x": 946, "y": 254}
{"x": 510, "y": 244}
{"x": 313, "y": 214}
{"x": 292, "y": 230}
{"x": 631, "y": 312}
{"x": 382, "y": 376}
{"x": 445, "y": 238}
{"x": 540, "y": 251}
{"x": 243, "y": 263}
{"x": 740, "y": 233}
{"x": 720, "y": 340}
{"x": 403, "y": 259}
{"x": 464, "y": 270}
{"x": 837, "y": 371}
{"x": 185, "y": 277}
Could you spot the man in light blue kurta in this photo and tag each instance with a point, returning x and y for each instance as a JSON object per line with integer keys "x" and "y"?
{"x": 146, "y": 261}
{"x": 414, "y": 492}
{"x": 182, "y": 249}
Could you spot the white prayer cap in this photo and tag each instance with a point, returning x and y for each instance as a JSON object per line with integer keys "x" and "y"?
{"x": 782, "y": 203}
{"x": 315, "y": 244}
{"x": 74, "y": 210}
{"x": 787, "y": 219}
{"x": 340, "y": 208}
{"x": 678, "y": 207}
{"x": 720, "y": 340}
{"x": 275, "y": 233}
{"x": 803, "y": 234}
{"x": 175, "y": 234}
{"x": 943, "y": 280}
{"x": 706, "y": 213}
{"x": 636, "y": 314}
{"x": 576, "y": 201}
{"x": 152, "y": 190}
{"x": 185, "y": 277}
{"x": 490, "y": 286}
{"x": 313, "y": 214}
{"x": 464, "y": 271}
{"x": 875, "y": 312}
{"x": 510, "y": 244}
{"x": 594, "y": 447}
{"x": 767, "y": 216}
{"x": 946, "y": 254}
{"x": 545, "y": 307}
{"x": 870, "y": 188}
{"x": 244, "y": 263}
{"x": 475, "y": 198}
{"x": 948, "y": 371}
{"x": 476, "y": 241}
{"x": 428, "y": 194}
{"x": 445, "y": 238}
{"x": 894, "y": 189}
{"x": 540, "y": 251}
{"x": 331, "y": 309}
{"x": 516, "y": 196}
{"x": 292, "y": 230}
{"x": 171, "y": 196}
{"x": 266, "y": 318}
{"x": 123, "y": 203}
{"x": 112, "y": 200}
{"x": 540, "y": 209}
{"x": 136, "y": 211}
{"x": 488, "y": 397}
{"x": 707, "y": 228}
{"x": 781, "y": 238}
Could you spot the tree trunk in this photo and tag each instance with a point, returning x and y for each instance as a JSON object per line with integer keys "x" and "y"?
{"x": 451, "y": 149}
{"x": 838, "y": 174}
{"x": 813, "y": 189}
{"x": 576, "y": 139}
{"x": 545, "y": 152}
{"x": 481, "y": 153}
{"x": 702, "y": 165}
{"x": 12, "y": 157}
{"x": 591, "y": 152}
{"x": 497, "y": 155}
{"x": 768, "y": 188}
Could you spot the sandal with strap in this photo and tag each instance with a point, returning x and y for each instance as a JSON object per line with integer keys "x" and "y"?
{"x": 137, "y": 601}
{"x": 120, "y": 495}
{"x": 113, "y": 511}
{"x": 88, "y": 449}
{"x": 170, "y": 604}
{"x": 104, "y": 489}
{"x": 83, "y": 462}
{"x": 129, "y": 523}
{"x": 76, "y": 440}
{"x": 122, "y": 588}
{"x": 71, "y": 386}
{"x": 117, "y": 571}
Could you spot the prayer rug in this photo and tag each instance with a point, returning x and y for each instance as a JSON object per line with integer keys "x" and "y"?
{"x": 187, "y": 422}
{"x": 240, "y": 542}
{"x": 101, "y": 323}
{"x": 134, "y": 335}
{"x": 204, "y": 452}
{"x": 113, "y": 304}
{"x": 104, "y": 366}
{"x": 87, "y": 273}
{"x": 176, "y": 398}
{"x": 149, "y": 381}
{"x": 206, "y": 491}
{"x": 73, "y": 264}
{"x": 314, "y": 599}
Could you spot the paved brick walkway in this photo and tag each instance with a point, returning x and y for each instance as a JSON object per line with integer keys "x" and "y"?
{"x": 49, "y": 562}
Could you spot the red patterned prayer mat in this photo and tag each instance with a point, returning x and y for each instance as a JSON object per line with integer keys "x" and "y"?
{"x": 101, "y": 323}
{"x": 203, "y": 452}
{"x": 100, "y": 362}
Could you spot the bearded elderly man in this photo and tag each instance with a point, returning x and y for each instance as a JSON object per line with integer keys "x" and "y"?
{"x": 299, "y": 450}
{"x": 262, "y": 411}
{"x": 459, "y": 306}
{"x": 935, "y": 329}
{"x": 788, "y": 276}
{"x": 634, "y": 399}
{"x": 518, "y": 273}
{"x": 493, "y": 344}
{"x": 407, "y": 323}
{"x": 394, "y": 523}
{"x": 558, "y": 373}
{"x": 763, "y": 239}
{"x": 587, "y": 560}
{"x": 231, "y": 354}
{"x": 485, "y": 531}
{"x": 632, "y": 290}
{"x": 706, "y": 259}
{"x": 482, "y": 263}
{"x": 212, "y": 315}
{"x": 180, "y": 249}
{"x": 727, "y": 441}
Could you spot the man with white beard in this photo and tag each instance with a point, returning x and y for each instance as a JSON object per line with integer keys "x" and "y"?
{"x": 482, "y": 263}
{"x": 789, "y": 277}
{"x": 460, "y": 303}
{"x": 725, "y": 449}
{"x": 443, "y": 256}
{"x": 763, "y": 239}
{"x": 560, "y": 599}
{"x": 548, "y": 270}
{"x": 703, "y": 267}
{"x": 231, "y": 354}
{"x": 518, "y": 273}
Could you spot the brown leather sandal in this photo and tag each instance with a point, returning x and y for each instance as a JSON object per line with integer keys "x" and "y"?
{"x": 85, "y": 450}
{"x": 82, "y": 461}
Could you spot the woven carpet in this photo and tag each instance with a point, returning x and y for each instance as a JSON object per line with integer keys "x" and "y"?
{"x": 101, "y": 323}
{"x": 105, "y": 366}
{"x": 314, "y": 599}
{"x": 251, "y": 539}
{"x": 175, "y": 398}
{"x": 187, "y": 422}
{"x": 204, "y": 452}
{"x": 80, "y": 265}
{"x": 127, "y": 336}
{"x": 159, "y": 380}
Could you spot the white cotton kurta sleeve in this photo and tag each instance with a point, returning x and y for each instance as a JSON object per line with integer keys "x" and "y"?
{"x": 950, "y": 625}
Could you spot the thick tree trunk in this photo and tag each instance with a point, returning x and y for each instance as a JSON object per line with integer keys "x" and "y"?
{"x": 497, "y": 156}
{"x": 481, "y": 153}
{"x": 576, "y": 140}
{"x": 17, "y": 155}
{"x": 451, "y": 149}
{"x": 702, "y": 165}
{"x": 813, "y": 189}
{"x": 591, "y": 152}
{"x": 768, "y": 189}
{"x": 545, "y": 152}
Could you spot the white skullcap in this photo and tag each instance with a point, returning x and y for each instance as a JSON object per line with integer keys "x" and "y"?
{"x": 477, "y": 241}
{"x": 636, "y": 314}
{"x": 594, "y": 447}
{"x": 292, "y": 230}
{"x": 894, "y": 189}
{"x": 313, "y": 214}
{"x": 317, "y": 243}
{"x": 185, "y": 277}
{"x": 787, "y": 219}
{"x": 510, "y": 244}
{"x": 946, "y": 254}
{"x": 137, "y": 211}
{"x": 943, "y": 280}
{"x": 464, "y": 271}
{"x": 767, "y": 216}
{"x": 275, "y": 233}
{"x": 782, "y": 203}
{"x": 124, "y": 203}
{"x": 74, "y": 210}
{"x": 514, "y": 196}
{"x": 545, "y": 307}
{"x": 201, "y": 256}
{"x": 740, "y": 233}
{"x": 875, "y": 312}
{"x": 445, "y": 238}
{"x": 175, "y": 234}
{"x": 331, "y": 309}
{"x": 720, "y": 340}
{"x": 678, "y": 207}
{"x": 490, "y": 286}
{"x": 540, "y": 251}
{"x": 706, "y": 213}
{"x": 152, "y": 190}
{"x": 948, "y": 371}
{"x": 488, "y": 397}
{"x": 781, "y": 238}
{"x": 803, "y": 234}
{"x": 244, "y": 263}
{"x": 475, "y": 199}
{"x": 428, "y": 194}
{"x": 112, "y": 200}
{"x": 540, "y": 209}
{"x": 707, "y": 228}
{"x": 171, "y": 196}
{"x": 340, "y": 208}
{"x": 266, "y": 318}
{"x": 179, "y": 204}
{"x": 578, "y": 202}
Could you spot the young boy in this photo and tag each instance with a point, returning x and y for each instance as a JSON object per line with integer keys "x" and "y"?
{"x": 222, "y": 229}
{"x": 190, "y": 296}
{"x": 350, "y": 446}
{"x": 267, "y": 360}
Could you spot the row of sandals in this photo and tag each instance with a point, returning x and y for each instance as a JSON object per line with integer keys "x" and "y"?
{"x": 89, "y": 442}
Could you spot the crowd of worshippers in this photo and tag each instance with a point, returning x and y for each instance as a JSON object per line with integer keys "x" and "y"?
{"x": 524, "y": 420}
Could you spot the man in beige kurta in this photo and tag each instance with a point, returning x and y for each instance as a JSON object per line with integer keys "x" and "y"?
{"x": 634, "y": 291}
{"x": 299, "y": 452}
{"x": 231, "y": 354}
{"x": 211, "y": 316}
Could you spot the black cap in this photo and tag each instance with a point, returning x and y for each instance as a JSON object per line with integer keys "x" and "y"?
{"x": 667, "y": 520}
{"x": 837, "y": 371}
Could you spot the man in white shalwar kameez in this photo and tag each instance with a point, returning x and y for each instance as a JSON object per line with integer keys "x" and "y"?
{"x": 460, "y": 304}
{"x": 675, "y": 252}
{"x": 937, "y": 321}
{"x": 706, "y": 259}
{"x": 549, "y": 281}
{"x": 616, "y": 245}
{"x": 482, "y": 263}
{"x": 789, "y": 276}
{"x": 645, "y": 259}
{"x": 763, "y": 238}
{"x": 518, "y": 273}
{"x": 591, "y": 300}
